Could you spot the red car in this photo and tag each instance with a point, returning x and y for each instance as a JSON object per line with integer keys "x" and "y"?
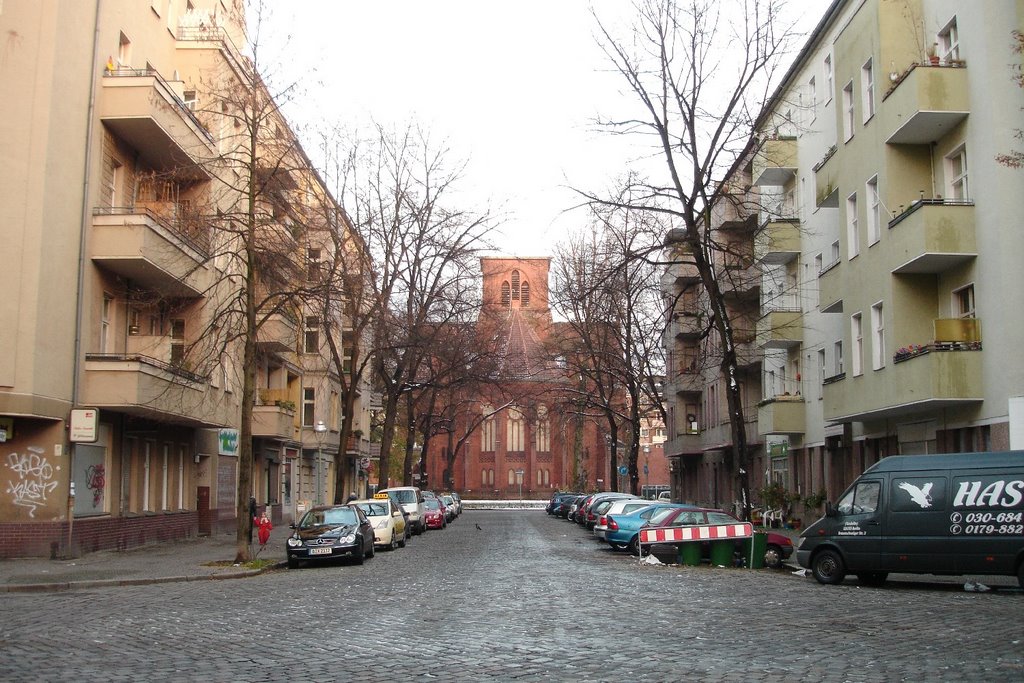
{"x": 433, "y": 514}
{"x": 778, "y": 549}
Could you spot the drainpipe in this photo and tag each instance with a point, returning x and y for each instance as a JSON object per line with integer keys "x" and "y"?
{"x": 77, "y": 360}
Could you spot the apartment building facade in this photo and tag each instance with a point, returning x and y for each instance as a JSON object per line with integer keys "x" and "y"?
{"x": 886, "y": 238}
{"x": 120, "y": 403}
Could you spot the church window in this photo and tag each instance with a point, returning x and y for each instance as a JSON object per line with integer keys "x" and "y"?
{"x": 542, "y": 434}
{"x": 506, "y": 294}
{"x": 515, "y": 285}
{"x": 488, "y": 431}
{"x": 524, "y": 295}
{"x": 514, "y": 431}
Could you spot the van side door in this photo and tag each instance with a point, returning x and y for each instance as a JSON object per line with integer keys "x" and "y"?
{"x": 917, "y": 524}
{"x": 858, "y": 523}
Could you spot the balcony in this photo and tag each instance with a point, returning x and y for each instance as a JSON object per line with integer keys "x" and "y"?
{"x": 273, "y": 422}
{"x": 686, "y": 383}
{"x": 778, "y": 241}
{"x": 830, "y": 288}
{"x": 740, "y": 281}
{"x": 932, "y": 236}
{"x": 748, "y": 355}
{"x": 683, "y": 444}
{"x": 279, "y": 333}
{"x": 775, "y": 161}
{"x": 925, "y": 105}
{"x": 150, "y": 250}
{"x": 146, "y": 387}
{"x": 942, "y": 376}
{"x": 782, "y": 415}
{"x": 142, "y": 109}
{"x": 680, "y": 273}
{"x": 686, "y": 325}
{"x": 825, "y": 180}
{"x": 780, "y": 329}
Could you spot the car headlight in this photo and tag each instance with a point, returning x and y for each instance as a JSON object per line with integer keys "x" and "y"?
{"x": 294, "y": 542}
{"x": 351, "y": 538}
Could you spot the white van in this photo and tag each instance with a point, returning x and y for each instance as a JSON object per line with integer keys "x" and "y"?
{"x": 410, "y": 499}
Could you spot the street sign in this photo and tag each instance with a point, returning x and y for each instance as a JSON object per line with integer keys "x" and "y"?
{"x": 623, "y": 470}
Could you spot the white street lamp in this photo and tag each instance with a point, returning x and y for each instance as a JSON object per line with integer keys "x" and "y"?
{"x": 321, "y": 431}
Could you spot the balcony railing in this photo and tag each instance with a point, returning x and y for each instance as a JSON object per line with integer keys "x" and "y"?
{"x": 186, "y": 226}
{"x": 937, "y": 234}
{"x": 170, "y": 368}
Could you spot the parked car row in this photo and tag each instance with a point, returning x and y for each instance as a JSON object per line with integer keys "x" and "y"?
{"x": 617, "y": 518}
{"x": 357, "y": 529}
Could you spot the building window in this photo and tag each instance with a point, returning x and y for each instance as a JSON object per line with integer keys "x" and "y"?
{"x": 182, "y": 456}
{"x": 511, "y": 477}
{"x": 857, "y": 334}
{"x": 964, "y": 301}
{"x": 867, "y": 86}
{"x": 838, "y": 357}
{"x": 524, "y": 295}
{"x": 848, "y": 111}
{"x": 312, "y": 335}
{"x": 949, "y": 43}
{"x": 164, "y": 473}
{"x": 874, "y": 211}
{"x": 542, "y": 435}
{"x": 177, "y": 341}
{"x": 812, "y": 95}
{"x": 106, "y": 310}
{"x": 852, "y": 236}
{"x": 147, "y": 448}
{"x": 828, "y": 79}
{"x": 488, "y": 431}
{"x": 834, "y": 253}
{"x": 314, "y": 272}
{"x": 124, "y": 51}
{"x": 515, "y": 285}
{"x": 514, "y": 431}
{"x": 308, "y": 406}
{"x": 956, "y": 163}
{"x": 506, "y": 295}
{"x": 821, "y": 370}
{"x": 878, "y": 332}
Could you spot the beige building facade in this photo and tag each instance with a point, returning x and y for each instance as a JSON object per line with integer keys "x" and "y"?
{"x": 119, "y": 423}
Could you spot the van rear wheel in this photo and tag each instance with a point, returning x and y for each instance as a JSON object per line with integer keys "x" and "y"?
{"x": 827, "y": 567}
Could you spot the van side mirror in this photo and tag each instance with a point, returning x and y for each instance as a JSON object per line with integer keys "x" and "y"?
{"x": 829, "y": 510}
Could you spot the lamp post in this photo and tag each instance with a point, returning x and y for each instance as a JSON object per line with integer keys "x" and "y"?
{"x": 647, "y": 472}
{"x": 321, "y": 430}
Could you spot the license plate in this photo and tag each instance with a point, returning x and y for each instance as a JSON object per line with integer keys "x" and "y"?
{"x": 320, "y": 551}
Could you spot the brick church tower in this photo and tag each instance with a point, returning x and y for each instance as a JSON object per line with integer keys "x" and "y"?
{"x": 527, "y": 438}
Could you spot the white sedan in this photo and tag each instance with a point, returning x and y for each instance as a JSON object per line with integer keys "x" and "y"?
{"x": 389, "y": 527}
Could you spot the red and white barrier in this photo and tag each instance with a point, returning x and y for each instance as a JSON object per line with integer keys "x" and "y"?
{"x": 704, "y": 532}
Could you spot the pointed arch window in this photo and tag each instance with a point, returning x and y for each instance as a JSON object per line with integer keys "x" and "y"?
{"x": 515, "y": 285}
{"x": 542, "y": 433}
{"x": 488, "y": 431}
{"x": 514, "y": 431}
{"x": 524, "y": 295}
{"x": 506, "y": 294}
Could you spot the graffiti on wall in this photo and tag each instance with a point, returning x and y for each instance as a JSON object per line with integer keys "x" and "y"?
{"x": 34, "y": 479}
{"x": 96, "y": 480}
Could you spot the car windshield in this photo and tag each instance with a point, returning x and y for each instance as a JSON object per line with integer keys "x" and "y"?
{"x": 375, "y": 509}
{"x": 329, "y": 517}
{"x": 448, "y": 500}
{"x": 403, "y": 496}
{"x": 721, "y": 518}
{"x": 659, "y": 515}
{"x": 431, "y": 504}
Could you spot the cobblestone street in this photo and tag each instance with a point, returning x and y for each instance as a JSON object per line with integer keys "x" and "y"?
{"x": 527, "y": 597}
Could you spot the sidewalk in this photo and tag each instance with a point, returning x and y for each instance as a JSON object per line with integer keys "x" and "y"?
{"x": 193, "y": 559}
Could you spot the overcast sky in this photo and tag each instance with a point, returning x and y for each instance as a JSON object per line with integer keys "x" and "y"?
{"x": 513, "y": 87}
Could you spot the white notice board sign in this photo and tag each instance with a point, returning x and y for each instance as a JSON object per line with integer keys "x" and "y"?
{"x": 84, "y": 425}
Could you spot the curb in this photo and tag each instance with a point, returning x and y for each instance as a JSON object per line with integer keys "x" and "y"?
{"x": 108, "y": 583}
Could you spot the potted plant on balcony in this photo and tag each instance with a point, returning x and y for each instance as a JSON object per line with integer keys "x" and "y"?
{"x": 285, "y": 405}
{"x": 933, "y": 57}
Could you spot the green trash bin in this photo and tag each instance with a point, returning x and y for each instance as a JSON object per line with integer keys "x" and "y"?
{"x": 689, "y": 554}
{"x": 755, "y": 548}
{"x": 721, "y": 552}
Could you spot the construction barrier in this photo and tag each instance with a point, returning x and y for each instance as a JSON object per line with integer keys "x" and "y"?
{"x": 721, "y": 536}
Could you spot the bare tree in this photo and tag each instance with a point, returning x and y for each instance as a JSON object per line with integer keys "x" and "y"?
{"x": 1015, "y": 158}
{"x": 399, "y": 191}
{"x": 609, "y": 293}
{"x": 699, "y": 71}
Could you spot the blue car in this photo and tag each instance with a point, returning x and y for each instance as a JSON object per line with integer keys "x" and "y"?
{"x": 624, "y": 530}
